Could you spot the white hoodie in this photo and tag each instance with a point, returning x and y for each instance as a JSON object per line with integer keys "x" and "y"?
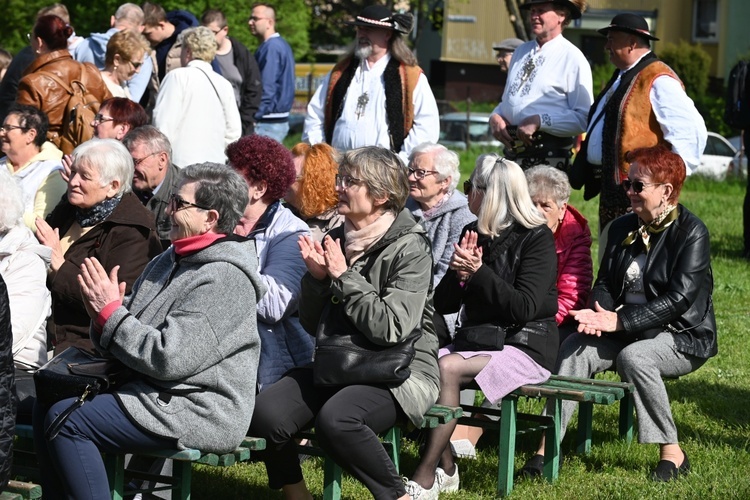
{"x": 23, "y": 265}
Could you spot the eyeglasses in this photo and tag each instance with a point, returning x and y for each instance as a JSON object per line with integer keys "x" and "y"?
{"x": 136, "y": 64}
{"x": 138, "y": 161}
{"x": 176, "y": 203}
{"x": 638, "y": 186}
{"x": 420, "y": 173}
{"x": 8, "y": 128}
{"x": 469, "y": 187}
{"x": 100, "y": 118}
{"x": 345, "y": 181}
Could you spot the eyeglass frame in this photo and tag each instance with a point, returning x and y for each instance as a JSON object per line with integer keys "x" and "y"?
{"x": 138, "y": 161}
{"x": 420, "y": 173}
{"x": 627, "y": 184}
{"x": 136, "y": 64}
{"x": 469, "y": 187}
{"x": 100, "y": 118}
{"x": 345, "y": 181}
{"x": 8, "y": 128}
{"x": 176, "y": 199}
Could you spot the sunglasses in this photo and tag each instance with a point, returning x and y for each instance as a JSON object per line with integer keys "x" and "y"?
{"x": 469, "y": 187}
{"x": 638, "y": 186}
{"x": 176, "y": 203}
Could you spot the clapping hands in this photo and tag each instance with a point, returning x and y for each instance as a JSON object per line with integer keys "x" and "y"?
{"x": 323, "y": 260}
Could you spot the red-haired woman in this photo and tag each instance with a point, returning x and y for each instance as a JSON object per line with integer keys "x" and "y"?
{"x": 118, "y": 116}
{"x": 268, "y": 169}
{"x": 39, "y": 87}
{"x": 312, "y": 195}
{"x": 650, "y": 312}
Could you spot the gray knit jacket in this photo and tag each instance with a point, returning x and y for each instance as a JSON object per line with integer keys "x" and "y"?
{"x": 189, "y": 327}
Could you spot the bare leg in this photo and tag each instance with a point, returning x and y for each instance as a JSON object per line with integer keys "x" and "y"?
{"x": 672, "y": 452}
{"x": 455, "y": 372}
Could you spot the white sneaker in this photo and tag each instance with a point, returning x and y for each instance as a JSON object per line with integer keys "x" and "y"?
{"x": 445, "y": 482}
{"x": 462, "y": 448}
{"x": 416, "y": 492}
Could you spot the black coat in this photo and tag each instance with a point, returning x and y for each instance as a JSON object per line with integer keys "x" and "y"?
{"x": 516, "y": 284}
{"x": 7, "y": 388}
{"x": 251, "y": 91}
{"x": 677, "y": 281}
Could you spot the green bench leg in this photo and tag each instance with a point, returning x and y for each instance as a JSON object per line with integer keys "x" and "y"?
{"x": 182, "y": 474}
{"x": 331, "y": 480}
{"x": 585, "y": 422}
{"x": 507, "y": 450}
{"x": 115, "y": 466}
{"x": 627, "y": 408}
{"x": 392, "y": 442}
{"x": 552, "y": 444}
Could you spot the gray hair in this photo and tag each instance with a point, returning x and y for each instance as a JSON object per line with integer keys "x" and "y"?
{"x": 382, "y": 172}
{"x": 506, "y": 196}
{"x": 151, "y": 137}
{"x": 445, "y": 161}
{"x": 201, "y": 42}
{"x": 221, "y": 188}
{"x": 11, "y": 202}
{"x": 129, "y": 14}
{"x": 110, "y": 158}
{"x": 549, "y": 182}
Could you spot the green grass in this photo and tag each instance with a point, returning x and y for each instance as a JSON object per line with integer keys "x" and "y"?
{"x": 711, "y": 406}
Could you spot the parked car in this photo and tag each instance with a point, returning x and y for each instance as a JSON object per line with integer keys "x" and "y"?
{"x": 455, "y": 130}
{"x": 721, "y": 158}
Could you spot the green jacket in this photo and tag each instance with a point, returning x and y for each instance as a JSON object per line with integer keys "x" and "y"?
{"x": 387, "y": 304}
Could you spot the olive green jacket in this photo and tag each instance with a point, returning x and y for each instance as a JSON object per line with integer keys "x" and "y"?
{"x": 387, "y": 304}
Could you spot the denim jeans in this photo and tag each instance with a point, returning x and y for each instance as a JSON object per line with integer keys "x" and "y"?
{"x": 276, "y": 131}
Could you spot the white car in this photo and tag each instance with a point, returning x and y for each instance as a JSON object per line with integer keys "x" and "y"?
{"x": 454, "y": 127}
{"x": 721, "y": 158}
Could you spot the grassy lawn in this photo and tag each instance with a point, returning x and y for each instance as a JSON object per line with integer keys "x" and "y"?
{"x": 711, "y": 406}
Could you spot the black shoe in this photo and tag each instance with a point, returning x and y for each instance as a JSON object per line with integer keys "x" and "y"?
{"x": 666, "y": 470}
{"x": 534, "y": 467}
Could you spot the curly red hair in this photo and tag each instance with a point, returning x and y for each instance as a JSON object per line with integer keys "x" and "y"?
{"x": 317, "y": 191}
{"x": 260, "y": 158}
{"x": 662, "y": 165}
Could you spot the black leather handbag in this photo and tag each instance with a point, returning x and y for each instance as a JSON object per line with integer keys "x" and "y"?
{"x": 485, "y": 337}
{"x": 344, "y": 356}
{"x": 79, "y": 374}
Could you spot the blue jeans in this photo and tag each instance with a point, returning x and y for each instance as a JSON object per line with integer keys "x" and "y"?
{"x": 276, "y": 131}
{"x": 71, "y": 464}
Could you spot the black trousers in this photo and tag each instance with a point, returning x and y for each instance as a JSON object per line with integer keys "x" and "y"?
{"x": 346, "y": 420}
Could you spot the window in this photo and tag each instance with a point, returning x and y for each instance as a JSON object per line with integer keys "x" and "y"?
{"x": 705, "y": 20}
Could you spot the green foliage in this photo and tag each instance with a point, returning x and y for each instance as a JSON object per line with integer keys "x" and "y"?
{"x": 691, "y": 63}
{"x": 601, "y": 74}
{"x": 712, "y": 110}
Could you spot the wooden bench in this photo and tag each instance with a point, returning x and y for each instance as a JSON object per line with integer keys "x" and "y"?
{"x": 18, "y": 490}
{"x": 587, "y": 392}
{"x": 178, "y": 482}
{"x": 391, "y": 440}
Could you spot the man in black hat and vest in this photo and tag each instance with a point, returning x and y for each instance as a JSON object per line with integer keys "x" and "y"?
{"x": 644, "y": 104}
{"x": 376, "y": 95}
{"x": 548, "y": 92}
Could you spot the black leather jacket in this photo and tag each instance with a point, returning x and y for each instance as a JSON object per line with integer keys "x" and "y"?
{"x": 677, "y": 280}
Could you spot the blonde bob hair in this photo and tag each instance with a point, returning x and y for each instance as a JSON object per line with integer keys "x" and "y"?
{"x": 201, "y": 42}
{"x": 130, "y": 45}
{"x": 506, "y": 196}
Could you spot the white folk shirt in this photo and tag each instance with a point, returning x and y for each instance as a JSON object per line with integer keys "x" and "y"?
{"x": 552, "y": 81}
{"x": 680, "y": 122}
{"x": 371, "y": 128}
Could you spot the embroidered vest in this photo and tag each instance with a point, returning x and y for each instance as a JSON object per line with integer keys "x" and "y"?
{"x": 399, "y": 80}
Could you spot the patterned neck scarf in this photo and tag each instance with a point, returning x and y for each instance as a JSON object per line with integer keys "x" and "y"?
{"x": 98, "y": 213}
{"x": 659, "y": 224}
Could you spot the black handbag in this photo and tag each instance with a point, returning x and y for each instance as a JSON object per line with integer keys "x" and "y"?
{"x": 485, "y": 337}
{"x": 80, "y": 374}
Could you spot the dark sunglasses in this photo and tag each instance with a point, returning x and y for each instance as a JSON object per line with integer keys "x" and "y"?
{"x": 176, "y": 203}
{"x": 638, "y": 186}
{"x": 469, "y": 187}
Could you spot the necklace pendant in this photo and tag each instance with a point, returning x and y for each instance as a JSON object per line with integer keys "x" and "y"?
{"x": 361, "y": 104}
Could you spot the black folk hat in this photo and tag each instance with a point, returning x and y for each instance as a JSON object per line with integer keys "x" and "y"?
{"x": 379, "y": 16}
{"x": 629, "y": 23}
{"x": 575, "y": 11}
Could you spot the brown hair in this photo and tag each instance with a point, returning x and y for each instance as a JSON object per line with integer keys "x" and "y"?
{"x": 317, "y": 192}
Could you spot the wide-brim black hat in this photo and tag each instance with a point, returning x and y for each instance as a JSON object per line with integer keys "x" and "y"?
{"x": 575, "y": 12}
{"x": 629, "y": 23}
{"x": 378, "y": 16}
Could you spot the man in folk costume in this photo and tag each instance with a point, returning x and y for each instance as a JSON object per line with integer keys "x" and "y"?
{"x": 376, "y": 95}
{"x": 644, "y": 104}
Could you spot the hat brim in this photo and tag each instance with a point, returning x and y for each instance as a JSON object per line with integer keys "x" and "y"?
{"x": 632, "y": 31}
{"x": 575, "y": 12}
{"x": 370, "y": 24}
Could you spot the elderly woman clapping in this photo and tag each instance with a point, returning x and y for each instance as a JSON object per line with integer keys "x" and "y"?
{"x": 180, "y": 330}
{"x": 371, "y": 279}
{"x": 102, "y": 218}
{"x": 650, "y": 312}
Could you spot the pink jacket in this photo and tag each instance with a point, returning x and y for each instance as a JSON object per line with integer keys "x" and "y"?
{"x": 575, "y": 272}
